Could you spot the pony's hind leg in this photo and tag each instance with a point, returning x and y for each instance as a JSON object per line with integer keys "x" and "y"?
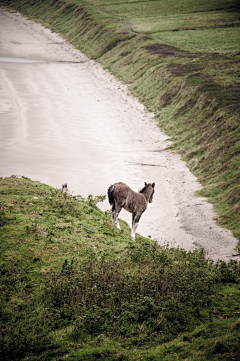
{"x": 135, "y": 220}
{"x": 115, "y": 213}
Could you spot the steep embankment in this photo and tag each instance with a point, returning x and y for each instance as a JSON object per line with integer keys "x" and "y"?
{"x": 193, "y": 88}
{"x": 73, "y": 287}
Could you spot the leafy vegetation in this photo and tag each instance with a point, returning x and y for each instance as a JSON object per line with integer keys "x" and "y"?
{"x": 182, "y": 62}
{"x": 75, "y": 287}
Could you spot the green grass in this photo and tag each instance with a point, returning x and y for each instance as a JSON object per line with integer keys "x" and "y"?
{"x": 140, "y": 9}
{"x": 55, "y": 246}
{"x": 73, "y": 286}
{"x": 191, "y": 83}
{"x": 206, "y": 26}
{"x": 218, "y": 40}
{"x": 184, "y": 21}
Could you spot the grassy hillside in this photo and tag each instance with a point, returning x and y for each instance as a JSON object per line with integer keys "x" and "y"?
{"x": 181, "y": 59}
{"x": 73, "y": 287}
{"x": 202, "y": 26}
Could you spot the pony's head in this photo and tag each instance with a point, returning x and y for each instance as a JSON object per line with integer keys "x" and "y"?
{"x": 148, "y": 188}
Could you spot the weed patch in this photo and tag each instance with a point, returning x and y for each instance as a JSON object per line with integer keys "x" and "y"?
{"x": 72, "y": 284}
{"x": 49, "y": 245}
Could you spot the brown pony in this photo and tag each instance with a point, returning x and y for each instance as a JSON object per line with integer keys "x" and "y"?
{"x": 121, "y": 196}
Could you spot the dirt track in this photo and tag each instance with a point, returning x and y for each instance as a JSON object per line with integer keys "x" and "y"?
{"x": 64, "y": 119}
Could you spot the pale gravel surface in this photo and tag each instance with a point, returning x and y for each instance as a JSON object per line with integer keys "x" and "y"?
{"x": 65, "y": 119}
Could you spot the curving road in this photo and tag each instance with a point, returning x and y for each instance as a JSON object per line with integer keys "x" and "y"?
{"x": 64, "y": 119}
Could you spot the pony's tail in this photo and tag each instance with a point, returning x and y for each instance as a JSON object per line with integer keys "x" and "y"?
{"x": 110, "y": 196}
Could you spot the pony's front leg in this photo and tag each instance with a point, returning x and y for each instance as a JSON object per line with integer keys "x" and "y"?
{"x": 117, "y": 223}
{"x": 135, "y": 220}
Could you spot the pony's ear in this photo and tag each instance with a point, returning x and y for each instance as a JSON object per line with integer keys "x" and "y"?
{"x": 153, "y": 185}
{"x": 145, "y": 183}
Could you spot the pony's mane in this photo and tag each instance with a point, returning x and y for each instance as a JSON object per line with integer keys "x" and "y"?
{"x": 144, "y": 188}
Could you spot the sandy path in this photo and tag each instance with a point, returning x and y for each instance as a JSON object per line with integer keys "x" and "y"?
{"x": 64, "y": 119}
